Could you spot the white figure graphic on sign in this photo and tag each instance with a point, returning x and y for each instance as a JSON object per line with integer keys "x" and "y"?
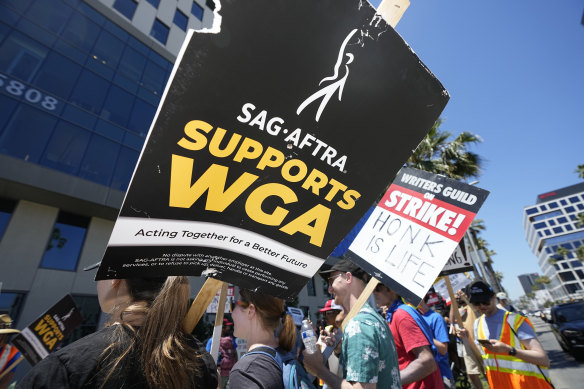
{"x": 328, "y": 91}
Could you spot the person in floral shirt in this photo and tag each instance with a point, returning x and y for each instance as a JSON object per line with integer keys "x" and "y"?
{"x": 368, "y": 352}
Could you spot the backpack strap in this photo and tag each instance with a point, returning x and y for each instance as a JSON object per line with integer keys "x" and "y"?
{"x": 269, "y": 351}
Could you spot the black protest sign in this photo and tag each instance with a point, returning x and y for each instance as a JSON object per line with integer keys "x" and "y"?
{"x": 42, "y": 337}
{"x": 414, "y": 229}
{"x": 274, "y": 136}
{"x": 458, "y": 261}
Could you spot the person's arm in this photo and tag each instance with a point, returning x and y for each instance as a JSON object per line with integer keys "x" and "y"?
{"x": 420, "y": 367}
{"x": 441, "y": 346}
{"x": 313, "y": 364}
{"x": 533, "y": 353}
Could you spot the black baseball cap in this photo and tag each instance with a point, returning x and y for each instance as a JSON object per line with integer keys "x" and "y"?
{"x": 344, "y": 265}
{"x": 479, "y": 291}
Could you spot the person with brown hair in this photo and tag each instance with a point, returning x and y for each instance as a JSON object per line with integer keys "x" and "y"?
{"x": 262, "y": 321}
{"x": 143, "y": 345}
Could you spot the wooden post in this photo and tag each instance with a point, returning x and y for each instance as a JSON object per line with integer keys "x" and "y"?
{"x": 12, "y": 366}
{"x": 218, "y": 322}
{"x": 200, "y": 304}
{"x": 393, "y": 10}
{"x": 454, "y": 306}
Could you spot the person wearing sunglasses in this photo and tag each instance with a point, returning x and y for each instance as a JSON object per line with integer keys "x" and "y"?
{"x": 512, "y": 355}
{"x": 270, "y": 333}
{"x": 368, "y": 352}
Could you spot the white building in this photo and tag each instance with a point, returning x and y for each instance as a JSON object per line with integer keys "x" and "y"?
{"x": 553, "y": 223}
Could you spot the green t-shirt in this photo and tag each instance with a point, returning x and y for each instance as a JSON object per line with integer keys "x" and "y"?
{"x": 368, "y": 354}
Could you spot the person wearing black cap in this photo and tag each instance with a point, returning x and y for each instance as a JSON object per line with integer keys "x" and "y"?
{"x": 9, "y": 355}
{"x": 368, "y": 353}
{"x": 513, "y": 356}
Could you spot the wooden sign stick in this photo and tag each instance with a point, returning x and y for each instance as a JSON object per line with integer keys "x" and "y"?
{"x": 369, "y": 288}
{"x": 218, "y": 322}
{"x": 200, "y": 304}
{"x": 454, "y": 305}
{"x": 11, "y": 367}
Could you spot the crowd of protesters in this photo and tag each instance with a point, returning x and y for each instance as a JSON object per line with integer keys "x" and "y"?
{"x": 393, "y": 344}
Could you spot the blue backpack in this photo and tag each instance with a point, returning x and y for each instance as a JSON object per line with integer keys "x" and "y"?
{"x": 293, "y": 374}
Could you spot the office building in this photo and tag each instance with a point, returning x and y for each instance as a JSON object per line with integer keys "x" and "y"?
{"x": 556, "y": 237}
{"x": 527, "y": 281}
{"x": 80, "y": 82}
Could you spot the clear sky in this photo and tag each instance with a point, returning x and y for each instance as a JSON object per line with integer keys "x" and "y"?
{"x": 515, "y": 74}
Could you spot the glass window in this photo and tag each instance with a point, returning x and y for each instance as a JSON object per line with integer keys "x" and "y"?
{"x": 210, "y": 4}
{"x": 118, "y": 105}
{"x": 81, "y": 31}
{"x": 197, "y": 10}
{"x": 537, "y": 226}
{"x": 6, "y": 209}
{"x": 79, "y": 116}
{"x": 159, "y": 31}
{"x": 89, "y": 309}
{"x": 547, "y": 232}
{"x": 562, "y": 220}
{"x": 565, "y": 266}
{"x": 563, "y": 202}
{"x": 11, "y": 303}
{"x": 21, "y": 57}
{"x": 558, "y": 230}
{"x": 155, "y": 3}
{"x": 141, "y": 118}
{"x": 65, "y": 243}
{"x": 51, "y": 15}
{"x": 568, "y": 227}
{"x": 553, "y": 205}
{"x": 37, "y": 33}
{"x": 132, "y": 64}
{"x": 580, "y": 206}
{"x": 110, "y": 130}
{"x": 7, "y": 106}
{"x": 547, "y": 215}
{"x": 543, "y": 207}
{"x": 66, "y": 148}
{"x": 126, "y": 7}
{"x": 108, "y": 49}
{"x": 572, "y": 288}
{"x": 89, "y": 12}
{"x": 576, "y": 264}
{"x": 310, "y": 289}
{"x": 551, "y": 222}
{"x": 154, "y": 78}
{"x": 180, "y": 19}
{"x": 27, "y": 124}
{"x": 574, "y": 199}
{"x": 90, "y": 92}
{"x": 57, "y": 75}
{"x": 124, "y": 168}
{"x": 99, "y": 160}
{"x": 570, "y": 209}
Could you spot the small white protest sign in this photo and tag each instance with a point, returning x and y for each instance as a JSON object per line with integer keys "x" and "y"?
{"x": 414, "y": 229}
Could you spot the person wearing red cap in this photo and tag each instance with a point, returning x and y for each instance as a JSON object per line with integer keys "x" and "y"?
{"x": 330, "y": 311}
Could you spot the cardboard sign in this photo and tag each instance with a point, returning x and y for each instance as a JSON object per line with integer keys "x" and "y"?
{"x": 297, "y": 315}
{"x": 458, "y": 262}
{"x": 42, "y": 337}
{"x": 414, "y": 229}
{"x": 458, "y": 281}
{"x": 273, "y": 137}
{"x": 212, "y": 308}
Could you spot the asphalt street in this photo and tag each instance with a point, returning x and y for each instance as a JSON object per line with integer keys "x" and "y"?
{"x": 565, "y": 371}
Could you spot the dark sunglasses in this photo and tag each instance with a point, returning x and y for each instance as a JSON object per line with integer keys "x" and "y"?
{"x": 484, "y": 303}
{"x": 332, "y": 279}
{"x": 235, "y": 303}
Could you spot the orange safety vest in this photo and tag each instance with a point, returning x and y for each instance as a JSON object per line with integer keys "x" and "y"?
{"x": 506, "y": 371}
{"x": 7, "y": 353}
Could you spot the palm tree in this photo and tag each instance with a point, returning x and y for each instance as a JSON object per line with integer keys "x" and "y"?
{"x": 580, "y": 171}
{"x": 580, "y": 222}
{"x": 562, "y": 252}
{"x": 435, "y": 154}
{"x": 580, "y": 253}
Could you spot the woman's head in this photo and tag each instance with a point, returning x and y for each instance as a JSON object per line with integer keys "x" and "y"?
{"x": 269, "y": 312}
